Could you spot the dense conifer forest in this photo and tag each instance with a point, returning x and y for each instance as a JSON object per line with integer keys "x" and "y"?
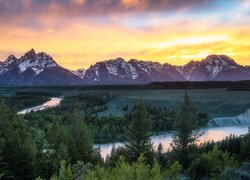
{"x": 57, "y": 143}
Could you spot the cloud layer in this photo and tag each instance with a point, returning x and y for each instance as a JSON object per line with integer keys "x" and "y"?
{"x": 99, "y": 7}
{"x": 80, "y": 32}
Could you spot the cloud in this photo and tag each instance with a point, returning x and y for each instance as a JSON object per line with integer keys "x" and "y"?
{"x": 80, "y": 32}
{"x": 50, "y": 30}
{"x": 90, "y": 7}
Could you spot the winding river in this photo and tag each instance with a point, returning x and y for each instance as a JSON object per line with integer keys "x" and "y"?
{"x": 210, "y": 133}
{"x": 51, "y": 103}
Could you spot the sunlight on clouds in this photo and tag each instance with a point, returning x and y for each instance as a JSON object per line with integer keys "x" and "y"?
{"x": 80, "y": 2}
{"x": 134, "y": 3}
{"x": 50, "y": 30}
{"x": 80, "y": 44}
{"x": 191, "y": 41}
{"x": 77, "y": 40}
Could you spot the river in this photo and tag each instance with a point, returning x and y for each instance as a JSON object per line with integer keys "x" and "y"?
{"x": 51, "y": 103}
{"x": 211, "y": 133}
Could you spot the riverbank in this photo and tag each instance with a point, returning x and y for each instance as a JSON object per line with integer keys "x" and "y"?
{"x": 211, "y": 133}
{"x": 241, "y": 119}
{"x": 53, "y": 102}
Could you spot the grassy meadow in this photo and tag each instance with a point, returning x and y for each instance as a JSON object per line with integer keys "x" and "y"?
{"x": 216, "y": 102}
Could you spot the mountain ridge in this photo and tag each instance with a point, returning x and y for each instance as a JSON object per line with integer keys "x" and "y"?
{"x": 40, "y": 69}
{"x": 34, "y": 69}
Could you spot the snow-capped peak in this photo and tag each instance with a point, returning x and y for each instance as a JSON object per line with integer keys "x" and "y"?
{"x": 119, "y": 71}
{"x": 213, "y": 67}
{"x": 221, "y": 60}
{"x": 35, "y": 67}
{"x": 37, "y": 62}
{"x": 10, "y": 60}
{"x": 217, "y": 63}
{"x": 30, "y": 60}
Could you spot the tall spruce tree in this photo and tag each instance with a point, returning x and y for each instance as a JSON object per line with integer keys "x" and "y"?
{"x": 80, "y": 144}
{"x": 185, "y": 135}
{"x": 139, "y": 142}
{"x": 57, "y": 151}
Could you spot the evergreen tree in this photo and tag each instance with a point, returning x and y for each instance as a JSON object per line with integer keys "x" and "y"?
{"x": 57, "y": 149}
{"x": 185, "y": 135}
{"x": 211, "y": 164}
{"x": 80, "y": 144}
{"x": 139, "y": 135}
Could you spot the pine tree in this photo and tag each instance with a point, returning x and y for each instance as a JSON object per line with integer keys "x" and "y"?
{"x": 80, "y": 144}
{"x": 57, "y": 150}
{"x": 139, "y": 135}
{"x": 185, "y": 135}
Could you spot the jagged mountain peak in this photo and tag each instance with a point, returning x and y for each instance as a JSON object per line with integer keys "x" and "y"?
{"x": 141, "y": 61}
{"x": 135, "y": 61}
{"x": 223, "y": 60}
{"x": 118, "y": 71}
{"x": 118, "y": 60}
{"x": 40, "y": 68}
{"x": 37, "y": 62}
{"x": 218, "y": 56}
{"x": 30, "y": 53}
{"x": 214, "y": 67}
{"x": 35, "y": 68}
{"x": 10, "y": 59}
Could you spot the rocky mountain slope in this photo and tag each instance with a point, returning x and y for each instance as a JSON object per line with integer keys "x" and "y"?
{"x": 40, "y": 69}
{"x": 32, "y": 68}
{"x": 214, "y": 68}
{"x": 119, "y": 71}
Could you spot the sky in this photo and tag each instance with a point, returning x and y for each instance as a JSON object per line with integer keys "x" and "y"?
{"x": 78, "y": 33}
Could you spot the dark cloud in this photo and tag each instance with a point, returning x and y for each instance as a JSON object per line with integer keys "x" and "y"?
{"x": 97, "y": 7}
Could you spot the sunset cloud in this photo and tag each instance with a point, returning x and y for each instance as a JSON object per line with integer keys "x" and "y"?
{"x": 80, "y": 32}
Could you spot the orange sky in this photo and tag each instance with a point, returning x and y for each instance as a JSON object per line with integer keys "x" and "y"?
{"x": 77, "y": 33}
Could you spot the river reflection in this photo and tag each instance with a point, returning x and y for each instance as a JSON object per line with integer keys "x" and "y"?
{"x": 51, "y": 103}
{"x": 213, "y": 133}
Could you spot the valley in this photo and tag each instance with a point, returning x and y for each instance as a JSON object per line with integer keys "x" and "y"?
{"x": 215, "y": 102}
{"x": 61, "y": 119}
{"x": 124, "y": 90}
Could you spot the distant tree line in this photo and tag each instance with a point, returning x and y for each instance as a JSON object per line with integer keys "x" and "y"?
{"x": 19, "y": 102}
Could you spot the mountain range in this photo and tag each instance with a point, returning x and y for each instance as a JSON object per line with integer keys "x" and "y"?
{"x": 40, "y": 69}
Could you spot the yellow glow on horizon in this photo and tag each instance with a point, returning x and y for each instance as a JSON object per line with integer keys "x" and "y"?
{"x": 80, "y": 45}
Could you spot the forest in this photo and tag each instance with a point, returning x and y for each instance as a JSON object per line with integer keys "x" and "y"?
{"x": 57, "y": 143}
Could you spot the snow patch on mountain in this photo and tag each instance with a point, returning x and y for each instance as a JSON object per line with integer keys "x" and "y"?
{"x": 37, "y": 62}
{"x": 80, "y": 73}
{"x": 119, "y": 71}
{"x": 133, "y": 71}
{"x": 111, "y": 68}
{"x": 214, "y": 67}
{"x": 9, "y": 60}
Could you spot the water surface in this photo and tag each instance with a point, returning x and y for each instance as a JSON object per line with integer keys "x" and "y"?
{"x": 212, "y": 133}
{"x": 51, "y": 103}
